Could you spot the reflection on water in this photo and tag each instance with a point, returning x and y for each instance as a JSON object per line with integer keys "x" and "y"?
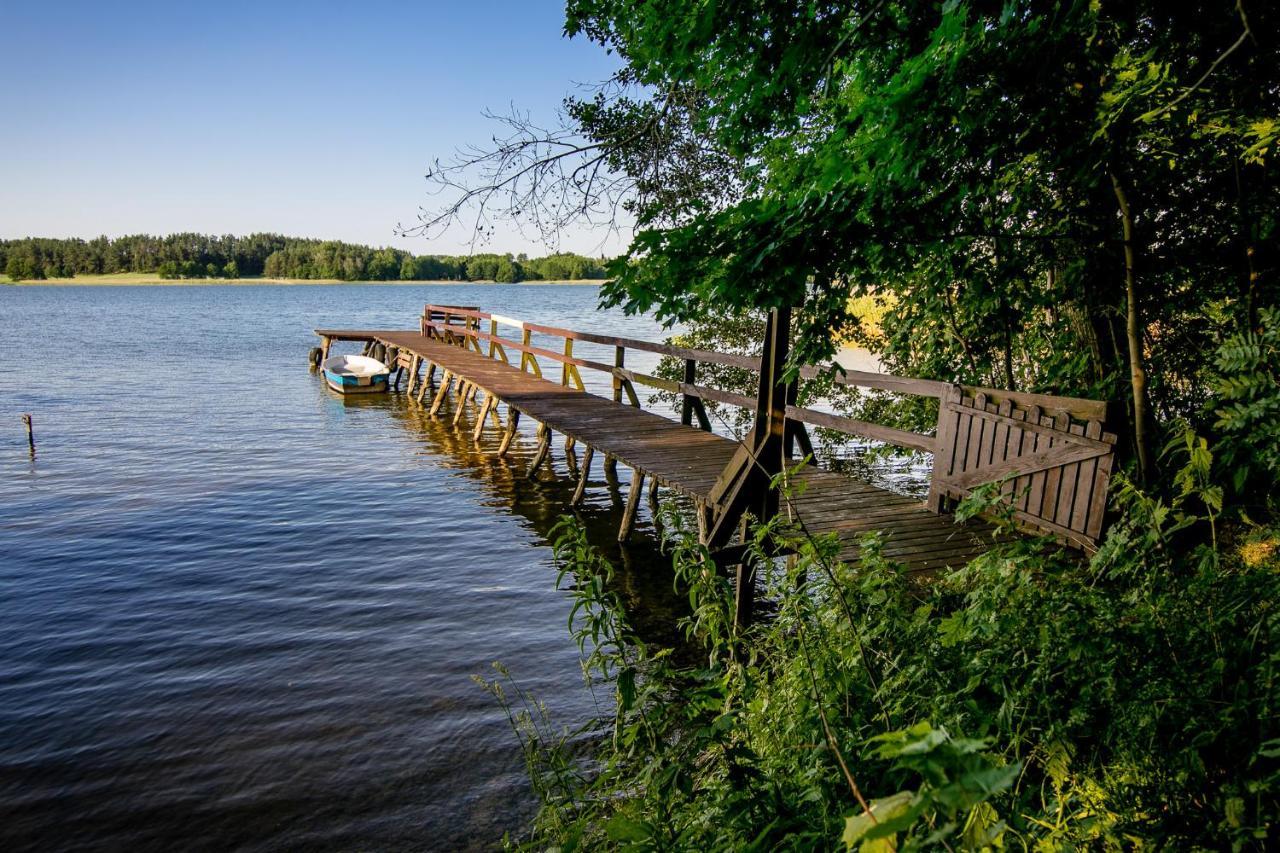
{"x": 240, "y": 611}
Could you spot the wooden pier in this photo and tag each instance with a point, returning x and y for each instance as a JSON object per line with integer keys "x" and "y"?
{"x": 1051, "y": 455}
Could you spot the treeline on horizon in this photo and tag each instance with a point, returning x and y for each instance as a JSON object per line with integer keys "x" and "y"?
{"x": 183, "y": 256}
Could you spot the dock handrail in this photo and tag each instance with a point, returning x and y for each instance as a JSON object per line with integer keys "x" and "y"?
{"x": 1049, "y": 454}
{"x": 441, "y": 318}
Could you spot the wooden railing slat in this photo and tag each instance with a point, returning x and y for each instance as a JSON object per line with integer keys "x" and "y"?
{"x": 889, "y": 435}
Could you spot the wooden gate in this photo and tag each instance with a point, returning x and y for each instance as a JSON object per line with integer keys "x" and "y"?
{"x": 1050, "y": 454}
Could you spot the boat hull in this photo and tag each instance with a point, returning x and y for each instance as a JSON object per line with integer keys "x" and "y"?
{"x": 355, "y": 374}
{"x": 377, "y": 385}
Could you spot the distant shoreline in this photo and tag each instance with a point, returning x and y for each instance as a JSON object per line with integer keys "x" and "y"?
{"x": 134, "y": 279}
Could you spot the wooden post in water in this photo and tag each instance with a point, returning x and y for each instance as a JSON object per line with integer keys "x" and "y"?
{"x": 540, "y": 455}
{"x": 584, "y": 473}
{"x": 485, "y": 407}
{"x": 619, "y": 361}
{"x": 513, "y": 422}
{"x": 31, "y": 439}
{"x": 633, "y": 504}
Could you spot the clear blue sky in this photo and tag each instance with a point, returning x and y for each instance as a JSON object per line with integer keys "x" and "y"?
{"x": 309, "y": 119}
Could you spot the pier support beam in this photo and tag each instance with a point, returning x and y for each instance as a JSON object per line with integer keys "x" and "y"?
{"x": 412, "y": 385}
{"x": 633, "y": 505}
{"x": 584, "y": 474}
{"x": 445, "y": 381}
{"x": 540, "y": 455}
{"x": 464, "y": 394}
{"x": 426, "y": 383}
{"x": 571, "y": 456}
{"x": 513, "y": 422}
{"x": 485, "y": 407}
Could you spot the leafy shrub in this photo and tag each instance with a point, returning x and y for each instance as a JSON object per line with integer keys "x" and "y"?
{"x": 1248, "y": 406}
{"x": 1032, "y": 699}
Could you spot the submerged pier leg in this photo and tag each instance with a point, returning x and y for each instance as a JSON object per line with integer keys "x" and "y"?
{"x": 583, "y": 474}
{"x": 540, "y": 455}
{"x": 571, "y": 456}
{"x": 426, "y": 383}
{"x": 415, "y": 364}
{"x": 445, "y": 381}
{"x": 633, "y": 505}
{"x": 513, "y": 421}
{"x": 464, "y": 391}
{"x": 485, "y": 407}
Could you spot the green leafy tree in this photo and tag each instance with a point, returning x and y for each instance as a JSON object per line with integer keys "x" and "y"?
{"x": 22, "y": 268}
{"x": 507, "y": 271}
{"x": 1033, "y": 186}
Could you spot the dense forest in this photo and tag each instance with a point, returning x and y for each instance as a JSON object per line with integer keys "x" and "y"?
{"x": 274, "y": 256}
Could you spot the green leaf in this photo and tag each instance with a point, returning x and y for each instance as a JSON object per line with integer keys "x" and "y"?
{"x": 621, "y": 828}
{"x": 857, "y": 825}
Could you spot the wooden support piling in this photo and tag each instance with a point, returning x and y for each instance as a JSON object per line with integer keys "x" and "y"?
{"x": 633, "y": 505}
{"x": 423, "y": 387}
{"x": 540, "y": 455}
{"x": 513, "y": 423}
{"x": 619, "y": 362}
{"x": 584, "y": 473}
{"x": 446, "y": 380}
{"x": 485, "y": 407}
{"x": 464, "y": 393}
{"x": 570, "y": 456}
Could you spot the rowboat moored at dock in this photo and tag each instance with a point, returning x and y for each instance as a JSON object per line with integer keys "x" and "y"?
{"x": 355, "y": 374}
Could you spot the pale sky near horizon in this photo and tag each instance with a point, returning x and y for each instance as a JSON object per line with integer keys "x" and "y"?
{"x": 312, "y": 120}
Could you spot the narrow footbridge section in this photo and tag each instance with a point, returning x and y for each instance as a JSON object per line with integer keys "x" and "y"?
{"x": 1049, "y": 455}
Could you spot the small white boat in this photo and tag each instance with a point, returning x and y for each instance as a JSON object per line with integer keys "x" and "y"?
{"x": 355, "y": 374}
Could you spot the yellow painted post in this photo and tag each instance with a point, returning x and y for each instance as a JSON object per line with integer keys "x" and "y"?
{"x": 526, "y": 358}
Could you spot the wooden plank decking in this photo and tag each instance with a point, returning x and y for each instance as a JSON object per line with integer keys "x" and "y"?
{"x": 690, "y": 460}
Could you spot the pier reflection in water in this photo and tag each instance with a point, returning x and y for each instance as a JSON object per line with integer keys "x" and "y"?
{"x": 643, "y": 579}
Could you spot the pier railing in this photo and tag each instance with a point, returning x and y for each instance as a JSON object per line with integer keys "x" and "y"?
{"x": 1050, "y": 454}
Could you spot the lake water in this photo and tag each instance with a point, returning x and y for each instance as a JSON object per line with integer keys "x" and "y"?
{"x": 239, "y": 611}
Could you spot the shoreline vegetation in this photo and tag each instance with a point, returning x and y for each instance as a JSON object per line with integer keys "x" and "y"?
{"x": 268, "y": 259}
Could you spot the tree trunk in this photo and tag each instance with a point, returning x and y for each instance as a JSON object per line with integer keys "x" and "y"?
{"x": 1133, "y": 329}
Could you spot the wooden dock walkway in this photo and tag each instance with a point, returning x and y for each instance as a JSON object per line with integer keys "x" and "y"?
{"x": 1049, "y": 453}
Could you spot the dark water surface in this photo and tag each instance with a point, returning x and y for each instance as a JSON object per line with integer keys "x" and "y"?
{"x": 240, "y": 612}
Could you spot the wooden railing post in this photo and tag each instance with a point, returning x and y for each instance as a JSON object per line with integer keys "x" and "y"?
{"x": 619, "y": 361}
{"x": 745, "y": 483}
{"x": 686, "y": 404}
{"x": 943, "y": 447}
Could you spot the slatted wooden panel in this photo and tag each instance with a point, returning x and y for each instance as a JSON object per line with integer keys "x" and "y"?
{"x": 1054, "y": 469}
